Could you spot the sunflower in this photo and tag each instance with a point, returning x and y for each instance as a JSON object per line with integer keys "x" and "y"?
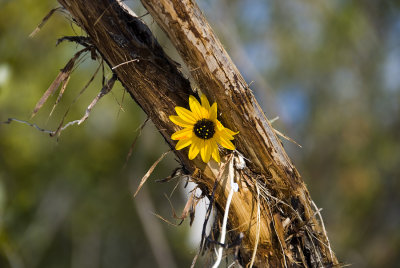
{"x": 202, "y": 130}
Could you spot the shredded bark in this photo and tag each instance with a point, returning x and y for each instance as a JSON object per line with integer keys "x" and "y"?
{"x": 267, "y": 180}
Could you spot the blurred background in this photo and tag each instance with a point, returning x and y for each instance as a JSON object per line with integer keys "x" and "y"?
{"x": 329, "y": 69}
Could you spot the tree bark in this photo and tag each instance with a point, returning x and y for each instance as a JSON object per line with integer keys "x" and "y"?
{"x": 290, "y": 234}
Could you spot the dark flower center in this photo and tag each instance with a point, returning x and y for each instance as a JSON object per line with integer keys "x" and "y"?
{"x": 204, "y": 129}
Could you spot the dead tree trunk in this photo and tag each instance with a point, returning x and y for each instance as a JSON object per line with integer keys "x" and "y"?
{"x": 287, "y": 232}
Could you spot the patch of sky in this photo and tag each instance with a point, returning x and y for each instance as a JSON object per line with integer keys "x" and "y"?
{"x": 261, "y": 53}
{"x": 395, "y": 30}
{"x": 211, "y": 9}
{"x": 293, "y": 104}
{"x": 255, "y": 14}
{"x": 387, "y": 105}
{"x": 134, "y": 5}
{"x": 391, "y": 70}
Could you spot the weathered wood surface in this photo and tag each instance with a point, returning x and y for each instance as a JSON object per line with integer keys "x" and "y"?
{"x": 290, "y": 233}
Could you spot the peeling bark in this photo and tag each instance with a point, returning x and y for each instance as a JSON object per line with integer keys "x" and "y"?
{"x": 290, "y": 234}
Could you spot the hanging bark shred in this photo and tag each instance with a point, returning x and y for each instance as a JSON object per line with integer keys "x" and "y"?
{"x": 104, "y": 91}
{"x": 62, "y": 77}
{"x": 148, "y": 173}
{"x": 44, "y": 20}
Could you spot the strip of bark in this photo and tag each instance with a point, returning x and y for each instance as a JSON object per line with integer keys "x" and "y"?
{"x": 218, "y": 77}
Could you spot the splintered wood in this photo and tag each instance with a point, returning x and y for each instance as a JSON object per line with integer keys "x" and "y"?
{"x": 271, "y": 189}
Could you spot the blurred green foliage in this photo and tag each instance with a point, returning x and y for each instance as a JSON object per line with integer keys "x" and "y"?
{"x": 329, "y": 69}
{"x": 68, "y": 202}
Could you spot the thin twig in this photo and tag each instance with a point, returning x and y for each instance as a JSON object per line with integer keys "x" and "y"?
{"x": 176, "y": 186}
{"x": 107, "y": 88}
{"x": 52, "y": 133}
{"x": 194, "y": 260}
{"x": 44, "y": 20}
{"x": 9, "y": 120}
{"x": 126, "y": 62}
{"x": 163, "y": 219}
{"x": 279, "y": 240}
{"x": 61, "y": 128}
{"x": 234, "y": 188}
{"x": 81, "y": 40}
{"x": 128, "y": 156}
{"x": 315, "y": 250}
{"x": 148, "y": 173}
{"x": 273, "y": 119}
{"x": 286, "y": 137}
{"x": 207, "y": 216}
{"x": 61, "y": 77}
{"x": 253, "y": 257}
{"x": 203, "y": 232}
{"x": 121, "y": 103}
{"x": 323, "y": 227}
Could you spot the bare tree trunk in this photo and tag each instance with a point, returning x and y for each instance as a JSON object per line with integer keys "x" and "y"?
{"x": 290, "y": 234}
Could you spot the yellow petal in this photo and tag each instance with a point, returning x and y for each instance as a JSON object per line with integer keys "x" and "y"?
{"x": 204, "y": 112}
{"x": 194, "y": 148}
{"x": 183, "y": 134}
{"x": 204, "y": 102}
{"x": 225, "y": 134}
{"x": 214, "y": 151}
{"x": 230, "y": 132}
{"x": 183, "y": 143}
{"x": 220, "y": 127}
{"x": 205, "y": 151}
{"x": 195, "y": 107}
{"x": 179, "y": 121}
{"x": 225, "y": 142}
{"x": 185, "y": 114}
{"x": 213, "y": 112}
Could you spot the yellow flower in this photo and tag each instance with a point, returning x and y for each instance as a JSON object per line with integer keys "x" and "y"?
{"x": 202, "y": 130}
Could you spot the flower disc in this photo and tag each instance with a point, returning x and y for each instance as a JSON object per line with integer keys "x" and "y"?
{"x": 204, "y": 129}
